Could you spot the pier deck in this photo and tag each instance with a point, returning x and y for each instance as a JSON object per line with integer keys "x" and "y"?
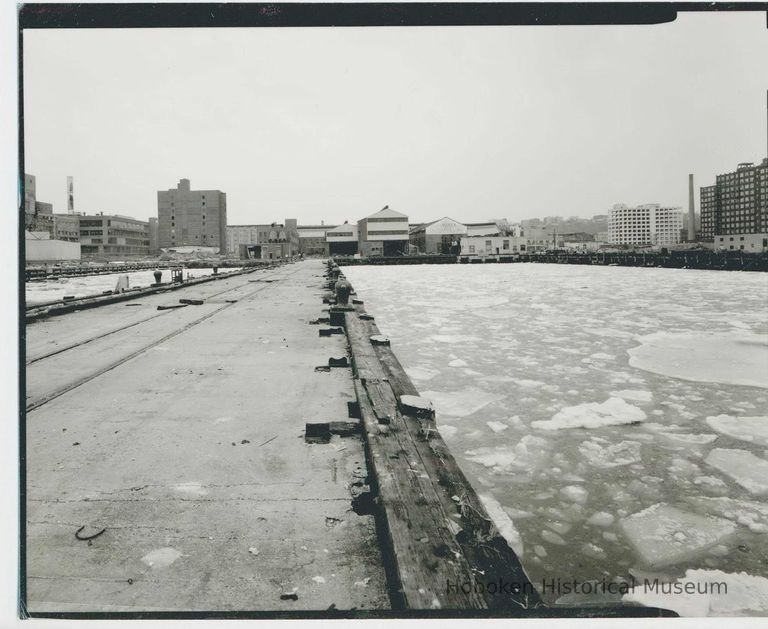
{"x": 180, "y": 432}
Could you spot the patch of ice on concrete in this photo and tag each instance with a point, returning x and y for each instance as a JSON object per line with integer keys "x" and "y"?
{"x": 574, "y": 493}
{"x": 608, "y": 456}
{"x": 708, "y": 593}
{"x": 745, "y": 468}
{"x": 318, "y": 579}
{"x": 698, "y": 356}
{"x": 614, "y": 411}
{"x": 664, "y": 535}
{"x": 457, "y": 363}
{"x": 460, "y": 403}
{"x": 503, "y": 523}
{"x": 420, "y": 373}
{"x": 195, "y": 489}
{"x": 161, "y": 558}
{"x": 752, "y": 429}
{"x": 633, "y": 395}
{"x": 601, "y": 518}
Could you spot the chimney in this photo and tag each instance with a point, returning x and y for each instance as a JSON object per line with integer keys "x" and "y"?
{"x": 691, "y": 212}
{"x": 70, "y": 195}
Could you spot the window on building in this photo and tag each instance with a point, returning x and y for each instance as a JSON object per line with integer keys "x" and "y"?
{"x": 471, "y": 248}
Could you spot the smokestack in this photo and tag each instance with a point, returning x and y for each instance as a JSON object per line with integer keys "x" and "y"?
{"x": 691, "y": 212}
{"x": 70, "y": 195}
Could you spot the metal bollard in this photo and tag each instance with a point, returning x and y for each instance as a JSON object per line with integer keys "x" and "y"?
{"x": 158, "y": 276}
{"x": 343, "y": 290}
{"x": 215, "y": 270}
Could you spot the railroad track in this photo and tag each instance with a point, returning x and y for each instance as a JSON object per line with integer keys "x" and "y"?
{"x": 115, "y": 331}
{"x": 44, "y": 399}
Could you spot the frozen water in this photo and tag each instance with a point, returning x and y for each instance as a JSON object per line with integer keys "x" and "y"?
{"x": 460, "y": 403}
{"x": 531, "y": 358}
{"x": 601, "y": 518}
{"x": 744, "y": 467}
{"x": 503, "y": 522}
{"x": 497, "y": 426}
{"x": 664, "y": 535}
{"x": 713, "y": 593}
{"x": 700, "y": 356}
{"x": 754, "y": 429}
{"x": 612, "y": 412}
{"x": 614, "y": 455}
{"x": 574, "y": 493}
{"x": 87, "y": 285}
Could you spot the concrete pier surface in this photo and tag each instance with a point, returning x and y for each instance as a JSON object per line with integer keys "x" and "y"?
{"x": 180, "y": 433}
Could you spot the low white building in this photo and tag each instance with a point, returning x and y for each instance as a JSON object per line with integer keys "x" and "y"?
{"x": 749, "y": 243}
{"x": 39, "y": 247}
{"x": 501, "y": 245}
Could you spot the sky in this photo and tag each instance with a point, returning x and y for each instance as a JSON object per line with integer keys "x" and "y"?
{"x": 332, "y": 124}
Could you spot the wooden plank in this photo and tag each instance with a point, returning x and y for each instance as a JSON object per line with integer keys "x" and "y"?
{"x": 480, "y": 541}
{"x": 423, "y": 554}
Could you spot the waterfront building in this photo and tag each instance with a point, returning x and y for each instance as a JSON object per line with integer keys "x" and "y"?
{"x": 644, "y": 225}
{"x": 342, "y": 240}
{"x": 271, "y": 241}
{"x": 191, "y": 218}
{"x": 502, "y": 245}
{"x": 734, "y": 211}
{"x": 113, "y": 236}
{"x": 384, "y": 233}
{"x": 66, "y": 227}
{"x": 438, "y": 237}
{"x": 312, "y": 240}
{"x": 40, "y": 248}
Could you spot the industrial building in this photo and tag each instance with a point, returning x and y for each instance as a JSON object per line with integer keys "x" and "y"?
{"x": 40, "y": 248}
{"x": 66, "y": 227}
{"x": 192, "y": 218}
{"x": 438, "y": 237}
{"x": 384, "y": 233}
{"x": 342, "y": 240}
{"x": 113, "y": 236}
{"x": 312, "y": 240}
{"x": 644, "y": 225}
{"x": 38, "y": 216}
{"x": 734, "y": 211}
{"x": 271, "y": 241}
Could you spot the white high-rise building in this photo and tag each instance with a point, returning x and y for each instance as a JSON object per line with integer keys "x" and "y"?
{"x": 649, "y": 224}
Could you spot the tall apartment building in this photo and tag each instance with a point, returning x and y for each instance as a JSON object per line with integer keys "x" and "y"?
{"x": 734, "y": 211}
{"x": 191, "y": 218}
{"x": 113, "y": 236}
{"x": 649, "y": 224}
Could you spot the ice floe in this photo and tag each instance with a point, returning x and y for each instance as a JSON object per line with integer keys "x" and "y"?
{"x": 503, "y": 522}
{"x": 633, "y": 395}
{"x": 752, "y": 429}
{"x": 612, "y": 455}
{"x": 614, "y": 411}
{"x": 699, "y": 356}
{"x": 574, "y": 493}
{"x": 460, "y": 403}
{"x": 745, "y": 468}
{"x": 421, "y": 373}
{"x": 600, "y": 518}
{"x": 497, "y": 426}
{"x": 706, "y": 593}
{"x": 664, "y": 535}
{"x": 753, "y": 515}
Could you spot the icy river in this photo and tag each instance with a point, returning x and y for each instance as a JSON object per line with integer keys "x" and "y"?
{"x": 614, "y": 420}
{"x": 39, "y": 292}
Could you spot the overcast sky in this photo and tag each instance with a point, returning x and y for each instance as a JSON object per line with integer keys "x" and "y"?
{"x": 334, "y": 123}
